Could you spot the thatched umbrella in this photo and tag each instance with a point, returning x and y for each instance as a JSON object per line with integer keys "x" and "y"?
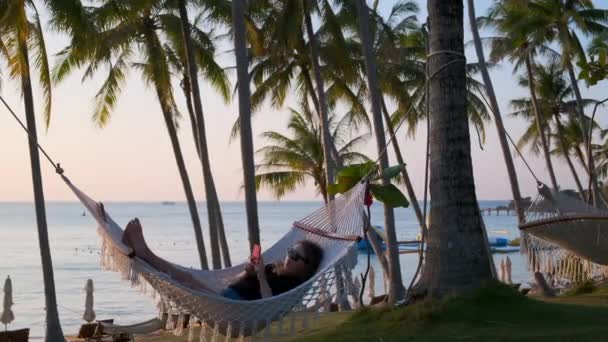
{"x": 89, "y": 313}
{"x": 7, "y": 314}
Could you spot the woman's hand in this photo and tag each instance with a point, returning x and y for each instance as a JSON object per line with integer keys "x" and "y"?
{"x": 249, "y": 269}
{"x": 260, "y": 270}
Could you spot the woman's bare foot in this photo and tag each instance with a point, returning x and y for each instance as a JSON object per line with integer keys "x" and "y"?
{"x": 134, "y": 238}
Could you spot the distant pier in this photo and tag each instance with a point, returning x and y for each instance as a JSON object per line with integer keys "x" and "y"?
{"x": 497, "y": 211}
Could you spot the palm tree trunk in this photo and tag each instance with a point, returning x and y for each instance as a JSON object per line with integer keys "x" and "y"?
{"x": 315, "y": 100}
{"x": 581, "y": 158}
{"x": 406, "y": 177}
{"x": 566, "y": 152}
{"x": 540, "y": 124}
{"x": 218, "y": 212}
{"x": 396, "y": 289}
{"x": 500, "y": 128}
{"x": 595, "y": 190}
{"x": 456, "y": 257}
{"x": 185, "y": 85}
{"x": 325, "y": 131}
{"x": 242, "y": 62}
{"x": 53, "y": 326}
{"x": 213, "y": 208}
{"x": 183, "y": 173}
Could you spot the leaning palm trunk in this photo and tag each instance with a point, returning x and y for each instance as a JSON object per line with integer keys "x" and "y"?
{"x": 242, "y": 62}
{"x": 185, "y": 85}
{"x": 53, "y": 327}
{"x": 396, "y": 289}
{"x": 540, "y": 124}
{"x": 183, "y": 173}
{"x": 213, "y": 207}
{"x": 595, "y": 189}
{"x": 456, "y": 257}
{"x": 500, "y": 128}
{"x": 565, "y": 152}
{"x": 325, "y": 132}
{"x": 218, "y": 211}
{"x": 406, "y": 177}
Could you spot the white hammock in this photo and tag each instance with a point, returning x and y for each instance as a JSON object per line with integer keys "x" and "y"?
{"x": 335, "y": 227}
{"x": 565, "y": 236}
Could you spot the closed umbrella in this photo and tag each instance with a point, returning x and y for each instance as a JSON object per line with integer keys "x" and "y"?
{"x": 371, "y": 290}
{"x": 7, "y": 314}
{"x": 89, "y": 313}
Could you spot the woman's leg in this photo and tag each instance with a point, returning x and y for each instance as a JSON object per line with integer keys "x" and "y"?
{"x": 134, "y": 238}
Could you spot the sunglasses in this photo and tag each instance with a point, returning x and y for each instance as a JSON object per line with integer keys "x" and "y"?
{"x": 295, "y": 255}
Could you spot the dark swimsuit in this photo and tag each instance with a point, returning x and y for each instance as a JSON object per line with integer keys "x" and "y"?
{"x": 248, "y": 287}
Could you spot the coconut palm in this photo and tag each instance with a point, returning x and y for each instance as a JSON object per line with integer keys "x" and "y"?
{"x": 510, "y": 19}
{"x": 126, "y": 32}
{"x": 456, "y": 257}
{"x": 328, "y": 144}
{"x": 242, "y": 65}
{"x": 22, "y": 40}
{"x": 291, "y": 160}
{"x": 283, "y": 60}
{"x": 554, "y": 94}
{"x": 562, "y": 22}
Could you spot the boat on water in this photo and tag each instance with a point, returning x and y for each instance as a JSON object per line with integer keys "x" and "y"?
{"x": 497, "y": 244}
{"x": 167, "y": 203}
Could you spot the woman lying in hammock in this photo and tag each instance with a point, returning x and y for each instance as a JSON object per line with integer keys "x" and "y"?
{"x": 256, "y": 281}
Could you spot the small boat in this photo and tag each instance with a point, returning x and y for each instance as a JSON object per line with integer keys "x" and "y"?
{"x": 167, "y": 203}
{"x": 497, "y": 244}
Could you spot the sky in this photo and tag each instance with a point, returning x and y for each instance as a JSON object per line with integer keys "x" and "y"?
{"x": 131, "y": 158}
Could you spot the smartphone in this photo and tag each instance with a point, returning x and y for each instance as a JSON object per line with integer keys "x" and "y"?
{"x": 256, "y": 254}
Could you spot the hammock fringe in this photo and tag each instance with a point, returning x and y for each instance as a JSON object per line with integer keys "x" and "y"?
{"x": 565, "y": 237}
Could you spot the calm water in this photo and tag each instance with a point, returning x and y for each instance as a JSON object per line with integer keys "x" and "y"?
{"x": 75, "y": 252}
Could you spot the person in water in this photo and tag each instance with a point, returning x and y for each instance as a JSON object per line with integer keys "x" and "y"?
{"x": 256, "y": 281}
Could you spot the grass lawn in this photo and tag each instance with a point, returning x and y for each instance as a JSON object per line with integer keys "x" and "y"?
{"x": 496, "y": 313}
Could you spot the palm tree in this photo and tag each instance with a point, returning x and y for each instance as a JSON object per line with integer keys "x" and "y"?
{"x": 500, "y": 128}
{"x": 242, "y": 65}
{"x": 123, "y": 30}
{"x": 553, "y": 97}
{"x": 396, "y": 289}
{"x": 290, "y": 160}
{"x": 20, "y": 36}
{"x": 216, "y": 224}
{"x": 456, "y": 257}
{"x": 561, "y": 22}
{"x": 326, "y": 134}
{"x": 509, "y": 17}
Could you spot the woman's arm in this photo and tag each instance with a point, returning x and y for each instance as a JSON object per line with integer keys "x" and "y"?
{"x": 260, "y": 269}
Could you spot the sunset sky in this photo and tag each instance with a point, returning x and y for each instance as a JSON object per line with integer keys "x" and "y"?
{"x": 131, "y": 159}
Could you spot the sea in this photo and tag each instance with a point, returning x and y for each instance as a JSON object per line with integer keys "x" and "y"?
{"x": 75, "y": 249}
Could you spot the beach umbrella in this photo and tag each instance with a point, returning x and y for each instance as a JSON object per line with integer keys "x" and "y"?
{"x": 508, "y": 270}
{"x": 89, "y": 313}
{"x": 371, "y": 291}
{"x": 503, "y": 269}
{"x": 7, "y": 314}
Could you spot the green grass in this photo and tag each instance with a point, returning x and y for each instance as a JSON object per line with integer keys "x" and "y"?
{"x": 495, "y": 313}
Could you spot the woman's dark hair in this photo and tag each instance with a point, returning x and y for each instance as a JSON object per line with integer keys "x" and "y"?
{"x": 313, "y": 253}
